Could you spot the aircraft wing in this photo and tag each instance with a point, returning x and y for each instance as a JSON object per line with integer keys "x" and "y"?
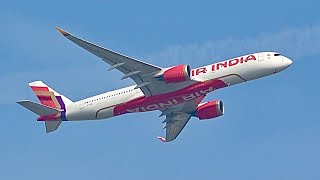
{"x": 140, "y": 72}
{"x": 175, "y": 122}
{"x": 177, "y": 118}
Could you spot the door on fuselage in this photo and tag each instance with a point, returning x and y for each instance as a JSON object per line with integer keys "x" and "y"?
{"x": 82, "y": 105}
{"x": 260, "y": 57}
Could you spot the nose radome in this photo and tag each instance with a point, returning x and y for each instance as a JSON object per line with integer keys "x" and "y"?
{"x": 283, "y": 64}
{"x": 287, "y": 61}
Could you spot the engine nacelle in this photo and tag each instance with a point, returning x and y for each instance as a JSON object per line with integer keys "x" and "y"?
{"x": 176, "y": 74}
{"x": 210, "y": 110}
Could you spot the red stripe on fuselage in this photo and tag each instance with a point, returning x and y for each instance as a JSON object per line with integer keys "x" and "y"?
{"x": 176, "y": 97}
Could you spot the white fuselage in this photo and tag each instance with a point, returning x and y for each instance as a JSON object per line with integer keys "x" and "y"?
{"x": 206, "y": 79}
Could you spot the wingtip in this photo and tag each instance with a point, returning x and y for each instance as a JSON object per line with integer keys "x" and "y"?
{"x": 21, "y": 101}
{"x": 63, "y": 32}
{"x": 162, "y": 139}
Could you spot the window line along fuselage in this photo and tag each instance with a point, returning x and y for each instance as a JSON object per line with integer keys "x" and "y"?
{"x": 206, "y": 79}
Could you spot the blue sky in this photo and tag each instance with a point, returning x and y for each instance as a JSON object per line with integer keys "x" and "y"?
{"x": 271, "y": 128}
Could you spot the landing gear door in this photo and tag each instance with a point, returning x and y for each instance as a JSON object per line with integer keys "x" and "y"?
{"x": 260, "y": 57}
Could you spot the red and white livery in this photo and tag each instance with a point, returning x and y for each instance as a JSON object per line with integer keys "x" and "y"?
{"x": 175, "y": 91}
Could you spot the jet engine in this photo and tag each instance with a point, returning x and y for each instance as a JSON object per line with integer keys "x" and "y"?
{"x": 176, "y": 74}
{"x": 209, "y": 110}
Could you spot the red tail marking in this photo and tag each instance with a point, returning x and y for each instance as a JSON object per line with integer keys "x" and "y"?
{"x": 35, "y": 88}
{"x": 47, "y": 100}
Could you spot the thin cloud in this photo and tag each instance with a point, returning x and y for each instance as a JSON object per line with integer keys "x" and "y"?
{"x": 294, "y": 43}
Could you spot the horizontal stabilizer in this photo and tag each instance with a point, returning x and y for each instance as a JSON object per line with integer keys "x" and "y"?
{"x": 41, "y": 110}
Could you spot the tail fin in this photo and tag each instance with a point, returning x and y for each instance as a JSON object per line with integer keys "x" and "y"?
{"x": 53, "y": 105}
{"x": 48, "y": 96}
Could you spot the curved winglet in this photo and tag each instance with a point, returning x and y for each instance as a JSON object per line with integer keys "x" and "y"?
{"x": 63, "y": 32}
{"x": 162, "y": 139}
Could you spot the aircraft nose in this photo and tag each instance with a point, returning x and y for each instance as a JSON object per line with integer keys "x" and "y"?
{"x": 287, "y": 61}
{"x": 284, "y": 64}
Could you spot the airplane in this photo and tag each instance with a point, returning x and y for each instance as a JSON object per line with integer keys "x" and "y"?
{"x": 176, "y": 91}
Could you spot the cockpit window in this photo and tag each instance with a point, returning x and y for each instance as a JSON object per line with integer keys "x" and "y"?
{"x": 277, "y": 54}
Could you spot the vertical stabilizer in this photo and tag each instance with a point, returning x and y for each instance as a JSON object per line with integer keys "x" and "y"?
{"x": 49, "y": 98}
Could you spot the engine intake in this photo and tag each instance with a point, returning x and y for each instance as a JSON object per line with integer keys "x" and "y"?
{"x": 176, "y": 74}
{"x": 210, "y": 110}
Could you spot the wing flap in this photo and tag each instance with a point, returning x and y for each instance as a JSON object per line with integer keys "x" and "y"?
{"x": 177, "y": 118}
{"x": 174, "y": 125}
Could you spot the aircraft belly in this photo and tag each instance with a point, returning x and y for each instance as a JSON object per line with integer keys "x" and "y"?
{"x": 230, "y": 76}
{"x": 233, "y": 79}
{"x": 82, "y": 114}
{"x": 254, "y": 72}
